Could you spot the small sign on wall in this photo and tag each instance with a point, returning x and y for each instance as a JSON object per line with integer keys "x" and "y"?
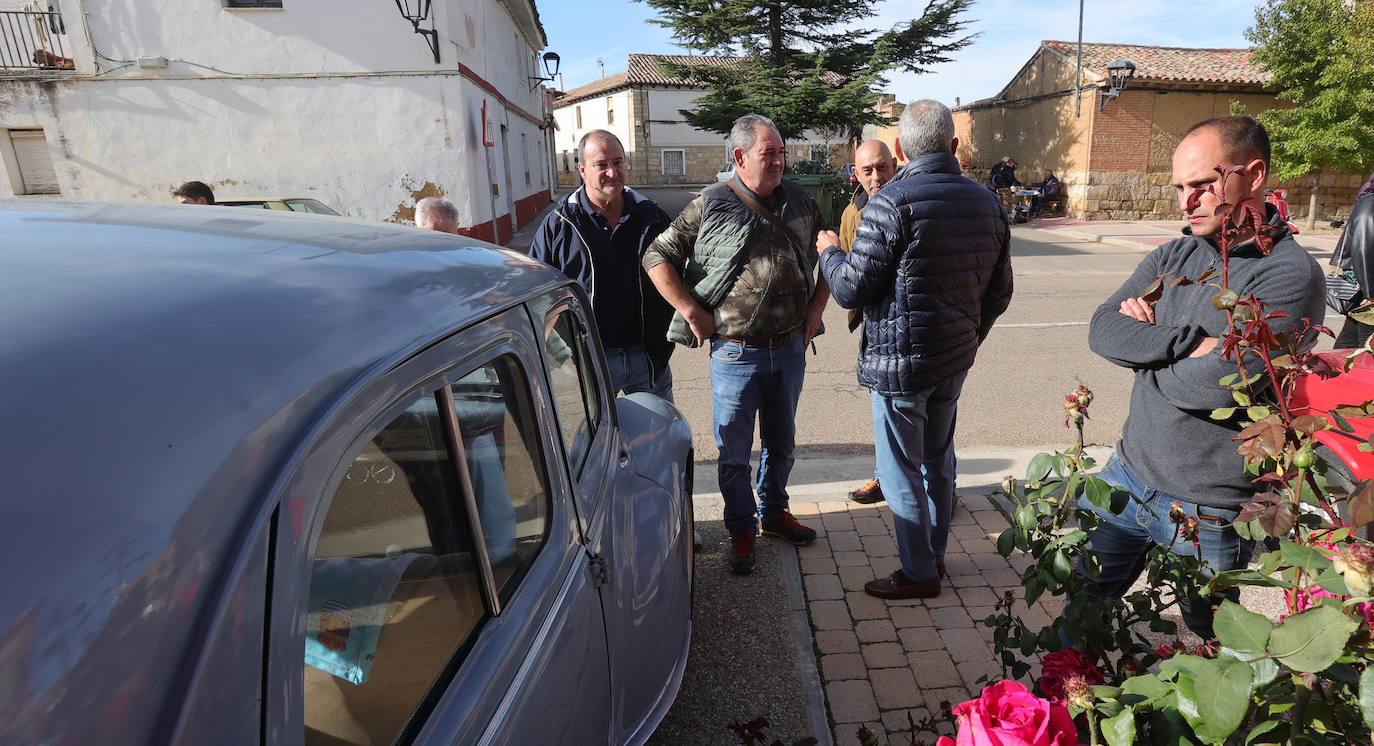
{"x": 488, "y": 131}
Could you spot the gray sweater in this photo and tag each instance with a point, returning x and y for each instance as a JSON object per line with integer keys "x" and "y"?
{"x": 1169, "y": 441}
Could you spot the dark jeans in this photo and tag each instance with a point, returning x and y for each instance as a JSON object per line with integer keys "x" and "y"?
{"x": 914, "y": 440}
{"x": 749, "y": 382}
{"x": 1121, "y": 540}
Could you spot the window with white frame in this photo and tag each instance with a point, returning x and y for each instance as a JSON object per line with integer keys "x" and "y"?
{"x": 674, "y": 162}
{"x": 610, "y": 110}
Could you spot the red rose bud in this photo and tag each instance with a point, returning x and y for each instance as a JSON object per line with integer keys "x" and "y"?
{"x": 1176, "y": 512}
{"x": 1188, "y": 530}
{"x": 1078, "y": 692}
{"x": 1083, "y": 395}
{"x": 1058, "y": 667}
{"x": 1164, "y": 651}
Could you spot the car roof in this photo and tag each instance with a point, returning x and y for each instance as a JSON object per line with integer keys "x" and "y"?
{"x": 161, "y": 366}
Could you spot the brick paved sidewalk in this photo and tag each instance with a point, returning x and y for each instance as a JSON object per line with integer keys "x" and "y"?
{"x": 881, "y": 661}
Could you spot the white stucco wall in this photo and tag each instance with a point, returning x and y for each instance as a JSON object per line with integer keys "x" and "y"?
{"x": 223, "y": 132}
{"x": 341, "y": 104}
{"x": 594, "y": 118}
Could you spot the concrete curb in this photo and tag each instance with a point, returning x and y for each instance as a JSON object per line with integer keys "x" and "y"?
{"x": 816, "y": 713}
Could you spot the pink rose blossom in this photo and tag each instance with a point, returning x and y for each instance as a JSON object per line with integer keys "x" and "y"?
{"x": 1007, "y": 714}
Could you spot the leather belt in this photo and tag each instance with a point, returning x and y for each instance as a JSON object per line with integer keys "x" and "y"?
{"x": 768, "y": 342}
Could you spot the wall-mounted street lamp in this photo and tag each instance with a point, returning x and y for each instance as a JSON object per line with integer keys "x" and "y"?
{"x": 417, "y": 11}
{"x": 550, "y": 70}
{"x": 1119, "y": 76}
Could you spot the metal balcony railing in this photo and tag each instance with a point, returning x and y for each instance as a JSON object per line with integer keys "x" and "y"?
{"x": 33, "y": 40}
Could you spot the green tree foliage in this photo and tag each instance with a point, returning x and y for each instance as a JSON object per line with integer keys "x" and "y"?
{"x": 807, "y": 63}
{"x": 1321, "y": 54}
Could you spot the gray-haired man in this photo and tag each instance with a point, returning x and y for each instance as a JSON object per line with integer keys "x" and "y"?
{"x": 436, "y": 214}
{"x": 737, "y": 267}
{"x": 931, "y": 268}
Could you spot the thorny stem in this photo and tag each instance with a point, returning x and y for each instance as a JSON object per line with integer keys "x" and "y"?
{"x": 1325, "y": 504}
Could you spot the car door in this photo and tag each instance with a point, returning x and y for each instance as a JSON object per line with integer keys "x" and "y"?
{"x": 431, "y": 585}
{"x": 631, "y": 530}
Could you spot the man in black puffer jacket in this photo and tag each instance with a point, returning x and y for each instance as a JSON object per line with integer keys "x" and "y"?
{"x": 931, "y": 269}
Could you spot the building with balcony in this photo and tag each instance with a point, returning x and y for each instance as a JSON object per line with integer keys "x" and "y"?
{"x": 346, "y": 104}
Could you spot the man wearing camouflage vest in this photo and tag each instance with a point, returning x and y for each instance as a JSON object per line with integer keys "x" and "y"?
{"x": 736, "y": 267}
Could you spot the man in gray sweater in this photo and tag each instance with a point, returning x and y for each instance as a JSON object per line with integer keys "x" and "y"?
{"x": 1170, "y": 449}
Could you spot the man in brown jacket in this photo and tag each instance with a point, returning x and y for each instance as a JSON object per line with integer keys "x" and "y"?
{"x": 874, "y": 165}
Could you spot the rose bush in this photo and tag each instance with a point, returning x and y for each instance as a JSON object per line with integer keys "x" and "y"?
{"x": 1305, "y": 678}
{"x": 1007, "y": 714}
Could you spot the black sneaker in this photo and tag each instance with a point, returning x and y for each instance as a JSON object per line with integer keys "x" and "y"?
{"x": 785, "y": 526}
{"x": 742, "y": 553}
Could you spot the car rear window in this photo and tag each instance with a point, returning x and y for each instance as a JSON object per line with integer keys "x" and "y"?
{"x": 309, "y": 205}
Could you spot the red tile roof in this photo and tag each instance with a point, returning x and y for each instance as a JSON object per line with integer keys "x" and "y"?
{"x": 644, "y": 70}
{"x": 1174, "y": 64}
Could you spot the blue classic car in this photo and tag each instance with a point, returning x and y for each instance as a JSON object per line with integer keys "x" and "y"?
{"x": 287, "y": 479}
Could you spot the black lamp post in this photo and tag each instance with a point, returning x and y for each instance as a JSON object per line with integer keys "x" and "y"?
{"x": 550, "y": 70}
{"x": 1119, "y": 76}
{"x": 417, "y": 11}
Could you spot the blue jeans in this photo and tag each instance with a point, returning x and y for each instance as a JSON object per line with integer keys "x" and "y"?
{"x": 630, "y": 372}
{"x": 914, "y": 440}
{"x": 1120, "y": 542}
{"x": 749, "y": 382}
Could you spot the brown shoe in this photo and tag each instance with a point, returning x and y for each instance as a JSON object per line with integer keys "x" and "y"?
{"x": 868, "y": 494}
{"x": 898, "y": 585}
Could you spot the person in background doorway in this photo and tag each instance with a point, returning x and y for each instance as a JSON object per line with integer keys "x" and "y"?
{"x": 436, "y": 214}
{"x": 194, "y": 193}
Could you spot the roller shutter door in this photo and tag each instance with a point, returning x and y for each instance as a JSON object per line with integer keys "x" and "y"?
{"x": 35, "y": 162}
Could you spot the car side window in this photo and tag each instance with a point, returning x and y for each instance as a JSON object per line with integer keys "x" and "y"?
{"x": 575, "y": 392}
{"x": 505, "y": 467}
{"x": 395, "y": 590}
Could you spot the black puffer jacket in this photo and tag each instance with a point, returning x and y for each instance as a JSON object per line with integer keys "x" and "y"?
{"x": 931, "y": 268}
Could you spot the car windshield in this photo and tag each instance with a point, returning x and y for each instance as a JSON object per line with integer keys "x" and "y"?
{"x": 309, "y": 205}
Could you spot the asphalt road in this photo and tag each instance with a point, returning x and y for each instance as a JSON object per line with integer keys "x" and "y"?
{"x": 1037, "y": 353}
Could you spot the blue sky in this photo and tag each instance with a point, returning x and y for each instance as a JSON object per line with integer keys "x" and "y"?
{"x": 1011, "y": 31}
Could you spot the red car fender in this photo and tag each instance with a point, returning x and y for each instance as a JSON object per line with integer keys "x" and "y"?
{"x": 1316, "y": 396}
